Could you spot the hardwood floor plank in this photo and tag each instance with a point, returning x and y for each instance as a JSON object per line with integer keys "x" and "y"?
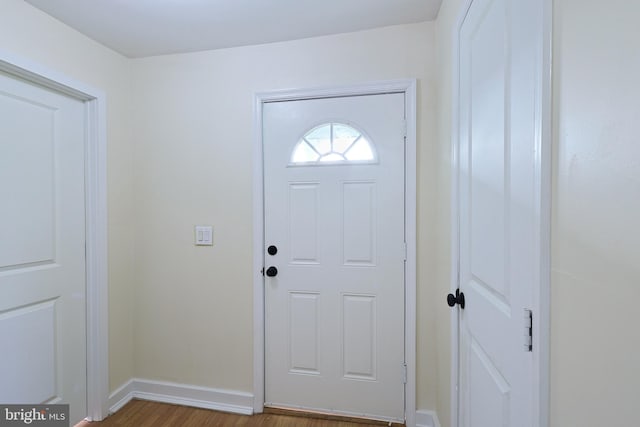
{"x": 141, "y": 413}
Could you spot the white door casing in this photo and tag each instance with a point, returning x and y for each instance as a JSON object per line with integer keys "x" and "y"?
{"x": 42, "y": 247}
{"x": 94, "y": 164}
{"x": 408, "y": 88}
{"x": 502, "y": 209}
{"x": 334, "y": 313}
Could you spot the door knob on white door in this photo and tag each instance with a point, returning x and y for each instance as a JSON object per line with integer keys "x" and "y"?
{"x": 458, "y": 298}
{"x": 272, "y": 271}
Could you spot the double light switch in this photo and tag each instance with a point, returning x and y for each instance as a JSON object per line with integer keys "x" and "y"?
{"x": 204, "y": 235}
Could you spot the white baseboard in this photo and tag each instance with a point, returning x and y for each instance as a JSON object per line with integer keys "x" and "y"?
{"x": 120, "y": 397}
{"x": 209, "y": 398}
{"x": 181, "y": 394}
{"x": 426, "y": 419}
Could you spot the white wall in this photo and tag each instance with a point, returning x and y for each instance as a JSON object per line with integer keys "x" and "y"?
{"x": 596, "y": 214}
{"x": 31, "y": 34}
{"x": 193, "y": 165}
{"x": 596, "y": 206}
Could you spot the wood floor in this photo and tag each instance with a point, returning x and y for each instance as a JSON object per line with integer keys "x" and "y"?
{"x": 141, "y": 413}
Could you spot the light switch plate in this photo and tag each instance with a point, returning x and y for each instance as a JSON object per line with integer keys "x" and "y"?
{"x": 204, "y": 235}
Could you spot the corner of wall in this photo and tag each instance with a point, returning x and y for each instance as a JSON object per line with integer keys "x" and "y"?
{"x": 426, "y": 418}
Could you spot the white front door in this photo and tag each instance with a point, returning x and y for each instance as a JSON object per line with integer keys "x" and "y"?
{"x": 499, "y": 208}
{"x": 42, "y": 247}
{"x": 334, "y": 231}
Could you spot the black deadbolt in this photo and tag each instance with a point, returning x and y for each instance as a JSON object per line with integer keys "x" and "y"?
{"x": 272, "y": 271}
{"x": 458, "y": 298}
{"x": 272, "y": 250}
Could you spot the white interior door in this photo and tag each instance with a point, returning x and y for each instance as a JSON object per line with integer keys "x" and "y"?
{"x": 499, "y": 228}
{"x": 334, "y": 209}
{"x": 42, "y": 247}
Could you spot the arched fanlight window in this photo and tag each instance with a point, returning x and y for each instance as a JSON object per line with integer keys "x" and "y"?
{"x": 333, "y": 143}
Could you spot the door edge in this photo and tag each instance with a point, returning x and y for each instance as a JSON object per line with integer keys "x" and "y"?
{"x": 96, "y": 282}
{"x": 409, "y": 88}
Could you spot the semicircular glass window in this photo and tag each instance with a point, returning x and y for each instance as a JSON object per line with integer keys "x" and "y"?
{"x": 333, "y": 143}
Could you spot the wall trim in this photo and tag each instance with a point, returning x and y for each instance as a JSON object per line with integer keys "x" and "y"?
{"x": 181, "y": 394}
{"x": 426, "y": 418}
{"x": 208, "y": 398}
{"x": 96, "y": 219}
{"x": 542, "y": 361}
{"x": 120, "y": 396}
{"x": 408, "y": 87}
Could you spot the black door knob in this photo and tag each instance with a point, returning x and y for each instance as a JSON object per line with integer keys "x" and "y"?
{"x": 458, "y": 298}
{"x": 272, "y": 271}
{"x": 272, "y": 250}
{"x": 451, "y": 300}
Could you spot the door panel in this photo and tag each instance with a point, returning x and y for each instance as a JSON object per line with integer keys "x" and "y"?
{"x": 499, "y": 65}
{"x": 360, "y": 333}
{"x": 30, "y": 365}
{"x": 303, "y": 219}
{"x": 334, "y": 313}
{"x": 304, "y": 332}
{"x": 359, "y": 223}
{"x": 489, "y": 391}
{"x": 30, "y": 161}
{"x": 42, "y": 247}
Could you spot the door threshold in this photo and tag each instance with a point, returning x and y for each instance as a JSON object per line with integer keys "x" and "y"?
{"x": 305, "y": 413}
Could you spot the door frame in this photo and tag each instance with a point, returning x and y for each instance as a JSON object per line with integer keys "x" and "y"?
{"x": 95, "y": 167}
{"x": 544, "y": 141}
{"x": 406, "y": 87}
